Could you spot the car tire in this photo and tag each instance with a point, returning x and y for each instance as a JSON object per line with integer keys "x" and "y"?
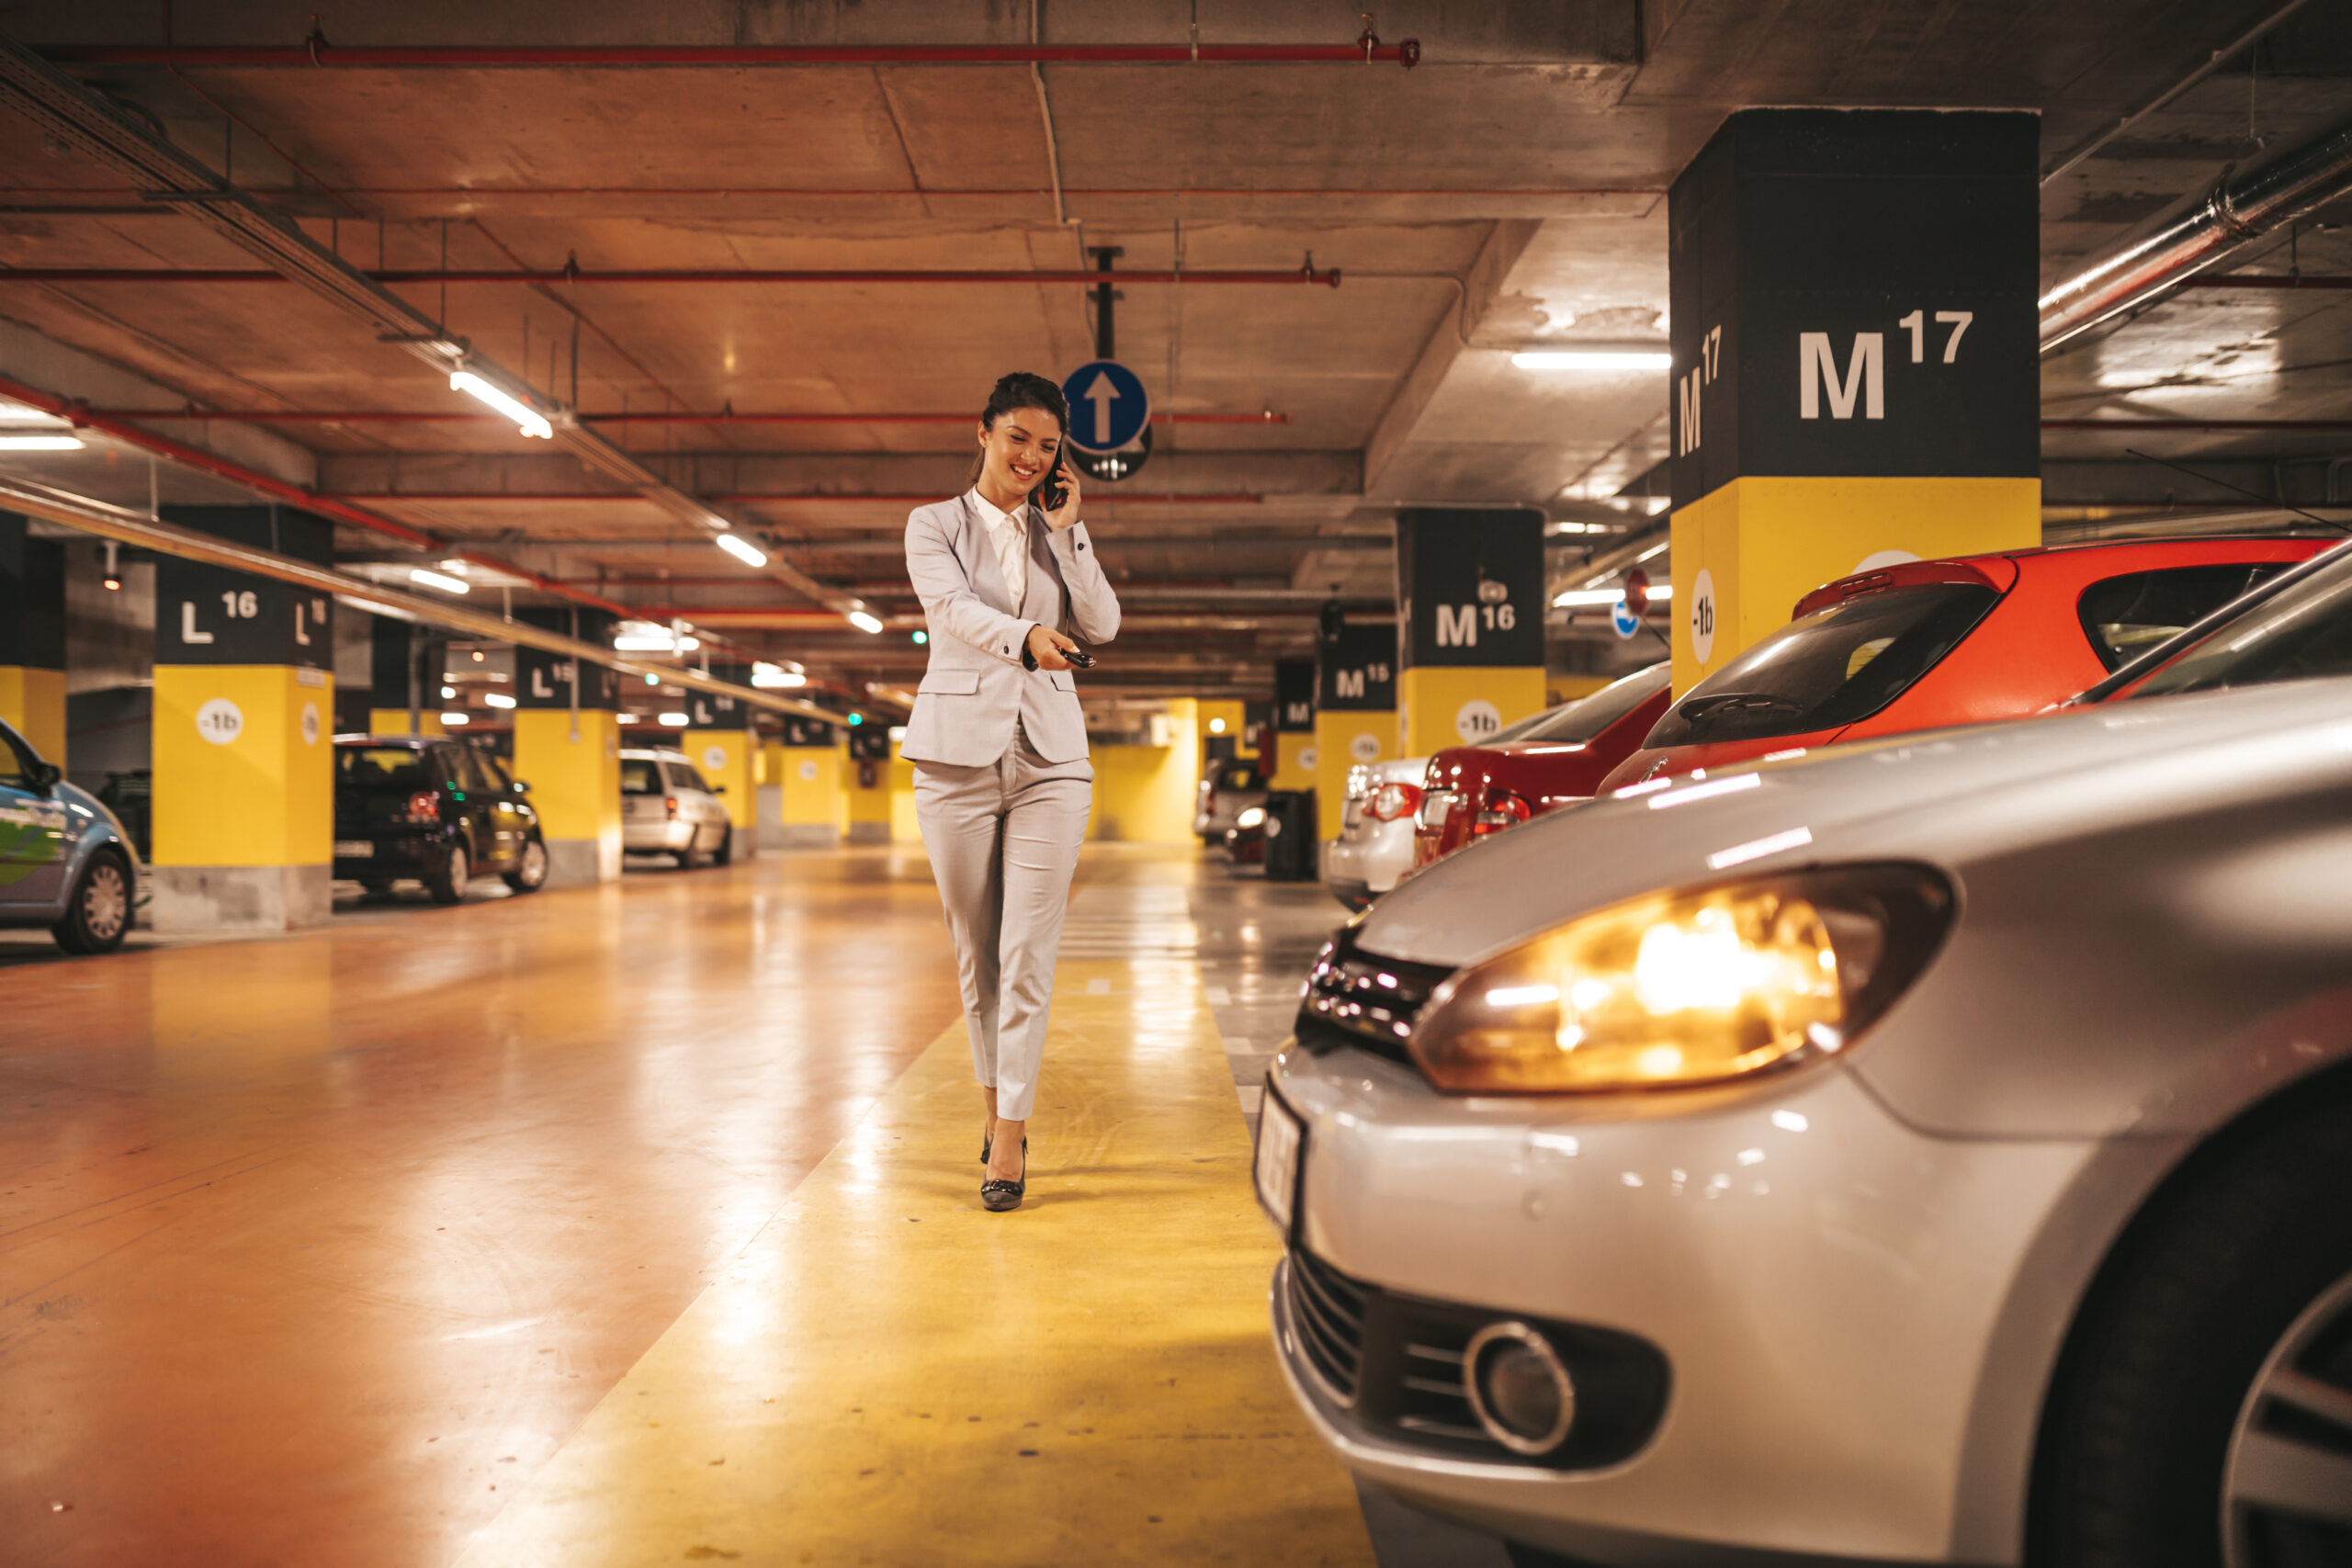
{"x": 2198, "y": 1420}
{"x": 725, "y": 853}
{"x": 448, "y": 885}
{"x": 530, "y": 873}
{"x": 99, "y": 916}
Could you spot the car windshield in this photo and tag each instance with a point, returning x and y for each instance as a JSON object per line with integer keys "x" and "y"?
{"x": 2301, "y": 632}
{"x": 1579, "y": 721}
{"x": 381, "y": 767}
{"x": 640, "y": 775}
{"x": 1831, "y": 669}
{"x": 2125, "y": 616}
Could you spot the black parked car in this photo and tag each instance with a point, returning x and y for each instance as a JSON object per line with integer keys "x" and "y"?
{"x": 432, "y": 809}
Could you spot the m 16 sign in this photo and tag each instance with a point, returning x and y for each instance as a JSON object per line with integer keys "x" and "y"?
{"x": 1470, "y": 586}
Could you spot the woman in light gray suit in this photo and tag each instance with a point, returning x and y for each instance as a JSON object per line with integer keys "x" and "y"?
{"x": 1003, "y": 783}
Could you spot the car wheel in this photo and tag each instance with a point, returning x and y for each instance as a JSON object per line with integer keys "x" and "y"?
{"x": 725, "y": 853}
{"x": 2203, "y": 1412}
{"x": 98, "y": 916}
{"x": 530, "y": 873}
{"x": 449, "y": 884}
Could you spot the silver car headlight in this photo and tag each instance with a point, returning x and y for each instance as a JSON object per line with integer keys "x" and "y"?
{"x": 1250, "y": 817}
{"x": 1688, "y": 986}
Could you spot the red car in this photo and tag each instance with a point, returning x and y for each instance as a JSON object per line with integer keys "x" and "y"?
{"x": 1473, "y": 791}
{"x": 1959, "y": 641}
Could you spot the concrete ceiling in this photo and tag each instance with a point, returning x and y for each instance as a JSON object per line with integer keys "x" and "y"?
{"x": 1509, "y": 190}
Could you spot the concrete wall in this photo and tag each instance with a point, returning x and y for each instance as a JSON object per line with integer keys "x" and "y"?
{"x": 1143, "y": 795}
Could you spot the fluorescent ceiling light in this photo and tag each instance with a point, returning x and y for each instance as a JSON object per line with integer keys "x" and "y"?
{"x": 440, "y": 579}
{"x": 455, "y": 718}
{"x": 526, "y": 418}
{"x": 1593, "y": 360}
{"x": 21, "y": 414}
{"x": 864, "y": 622}
{"x": 674, "y": 720}
{"x": 774, "y": 675}
{"x": 742, "y": 550}
{"x": 1581, "y": 598}
{"x": 18, "y": 442}
{"x": 498, "y": 699}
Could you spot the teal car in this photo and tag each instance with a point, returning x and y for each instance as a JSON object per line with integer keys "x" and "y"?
{"x": 65, "y": 863}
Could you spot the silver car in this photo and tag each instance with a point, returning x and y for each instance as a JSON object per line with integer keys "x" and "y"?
{"x": 1228, "y": 787}
{"x": 1374, "y": 849}
{"x": 668, "y": 809}
{"x": 1937, "y": 1151}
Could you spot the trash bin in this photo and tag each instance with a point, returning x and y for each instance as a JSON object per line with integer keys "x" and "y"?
{"x": 1290, "y": 836}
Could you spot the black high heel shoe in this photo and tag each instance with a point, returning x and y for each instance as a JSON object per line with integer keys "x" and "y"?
{"x": 999, "y": 1196}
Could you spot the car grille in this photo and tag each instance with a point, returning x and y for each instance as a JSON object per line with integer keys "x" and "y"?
{"x": 1363, "y": 1000}
{"x": 1397, "y": 1363}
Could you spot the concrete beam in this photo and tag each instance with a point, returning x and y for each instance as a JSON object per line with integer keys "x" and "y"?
{"x": 1459, "y": 323}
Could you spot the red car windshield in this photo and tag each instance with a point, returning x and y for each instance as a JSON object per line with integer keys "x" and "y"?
{"x": 1834, "y": 667}
{"x": 1574, "y": 723}
{"x": 2300, "y": 632}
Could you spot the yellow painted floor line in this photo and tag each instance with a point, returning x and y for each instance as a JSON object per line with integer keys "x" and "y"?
{"x": 888, "y": 1374}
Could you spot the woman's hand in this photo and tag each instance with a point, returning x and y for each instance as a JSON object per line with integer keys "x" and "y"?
{"x": 1066, "y": 514}
{"x": 1046, "y": 646}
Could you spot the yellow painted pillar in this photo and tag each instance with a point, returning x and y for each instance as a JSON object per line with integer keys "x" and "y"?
{"x": 869, "y": 777}
{"x": 243, "y": 762}
{"x": 1828, "y": 417}
{"x": 719, "y": 738}
{"x": 1356, "y": 713}
{"x": 32, "y": 637}
{"x": 402, "y": 656}
{"x": 1224, "y": 720}
{"x": 1470, "y": 639}
{"x": 806, "y": 764}
{"x": 1145, "y": 795}
{"x": 568, "y": 749}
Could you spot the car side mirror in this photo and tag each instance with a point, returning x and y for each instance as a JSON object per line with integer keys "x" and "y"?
{"x": 521, "y": 787}
{"x": 44, "y": 775}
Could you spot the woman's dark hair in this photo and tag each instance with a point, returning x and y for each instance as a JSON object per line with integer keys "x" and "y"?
{"x": 1019, "y": 391}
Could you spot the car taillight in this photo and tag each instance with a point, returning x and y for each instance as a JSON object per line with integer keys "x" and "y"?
{"x": 1392, "y": 801}
{"x": 1502, "y": 809}
{"x": 424, "y": 807}
{"x": 671, "y": 806}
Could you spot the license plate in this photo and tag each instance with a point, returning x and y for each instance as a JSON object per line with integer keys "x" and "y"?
{"x": 1280, "y": 1136}
{"x": 353, "y": 849}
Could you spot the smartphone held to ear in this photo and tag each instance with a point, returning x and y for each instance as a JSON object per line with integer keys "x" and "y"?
{"x": 1052, "y": 493}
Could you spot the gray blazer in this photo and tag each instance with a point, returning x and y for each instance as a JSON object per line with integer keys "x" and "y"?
{"x": 976, "y": 686}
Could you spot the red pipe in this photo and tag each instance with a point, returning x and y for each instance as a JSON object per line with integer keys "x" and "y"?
{"x": 294, "y": 494}
{"x": 2264, "y": 280}
{"x": 746, "y": 498}
{"x": 317, "y": 51}
{"x": 455, "y": 416}
{"x": 1329, "y": 276}
{"x": 2131, "y": 424}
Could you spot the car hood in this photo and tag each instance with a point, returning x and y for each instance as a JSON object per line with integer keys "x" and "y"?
{"x": 1946, "y": 797}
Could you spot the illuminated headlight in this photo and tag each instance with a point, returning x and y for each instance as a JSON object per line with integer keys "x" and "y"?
{"x": 1250, "y": 817}
{"x": 1687, "y": 988}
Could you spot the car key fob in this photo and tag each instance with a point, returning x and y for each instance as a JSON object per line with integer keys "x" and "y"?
{"x": 1082, "y": 660}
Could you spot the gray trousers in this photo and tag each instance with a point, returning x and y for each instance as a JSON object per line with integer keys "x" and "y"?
{"x": 1003, "y": 840}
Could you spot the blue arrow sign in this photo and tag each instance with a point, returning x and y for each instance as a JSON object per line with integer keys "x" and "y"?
{"x": 1621, "y": 619}
{"x": 1108, "y": 407}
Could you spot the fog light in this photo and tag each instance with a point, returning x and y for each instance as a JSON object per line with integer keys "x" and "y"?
{"x": 1522, "y": 1395}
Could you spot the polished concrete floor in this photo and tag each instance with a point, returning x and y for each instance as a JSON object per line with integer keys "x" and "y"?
{"x": 640, "y": 1224}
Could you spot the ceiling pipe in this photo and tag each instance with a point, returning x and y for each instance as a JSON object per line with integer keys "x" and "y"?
{"x": 144, "y": 277}
{"x": 2287, "y": 280}
{"x": 337, "y": 508}
{"x": 2128, "y": 426}
{"x": 748, "y": 498}
{"x": 166, "y": 538}
{"x": 2233, "y": 213}
{"x": 317, "y": 53}
{"x": 725, "y": 416}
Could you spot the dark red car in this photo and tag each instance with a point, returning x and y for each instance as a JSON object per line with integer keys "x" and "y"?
{"x": 1472, "y": 791}
{"x": 1959, "y": 641}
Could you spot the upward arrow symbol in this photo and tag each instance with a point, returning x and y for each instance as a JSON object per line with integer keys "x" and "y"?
{"x": 1102, "y": 394}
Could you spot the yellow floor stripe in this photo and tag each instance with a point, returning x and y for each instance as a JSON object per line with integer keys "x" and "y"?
{"x": 888, "y": 1374}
